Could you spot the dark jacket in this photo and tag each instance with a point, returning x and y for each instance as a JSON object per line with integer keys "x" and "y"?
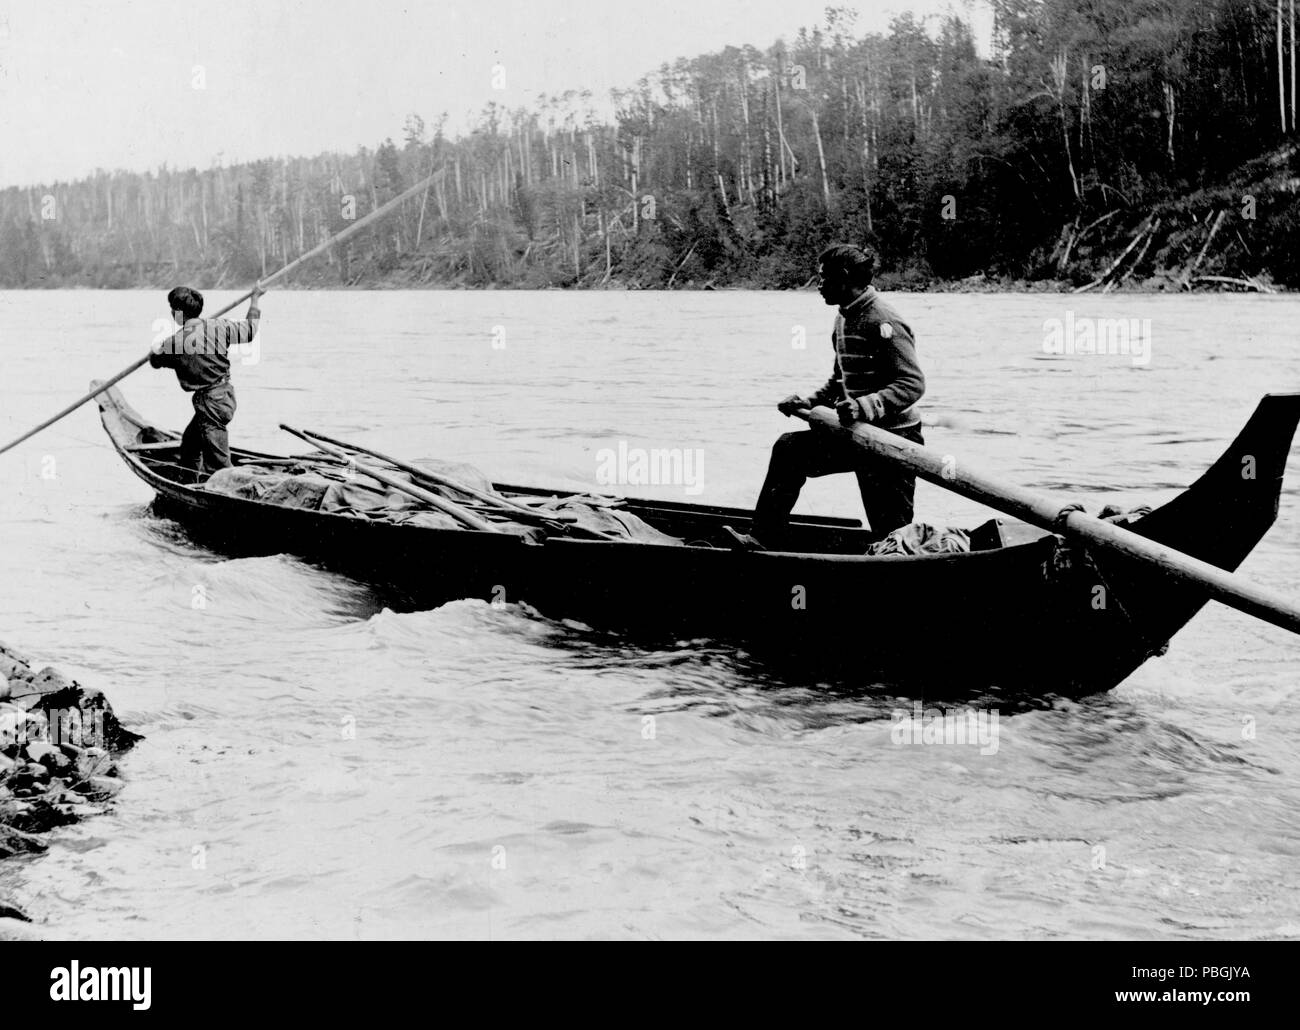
{"x": 875, "y": 361}
{"x": 198, "y": 349}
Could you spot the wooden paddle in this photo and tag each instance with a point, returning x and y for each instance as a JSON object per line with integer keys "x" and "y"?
{"x": 441, "y": 503}
{"x": 1036, "y": 509}
{"x": 351, "y": 230}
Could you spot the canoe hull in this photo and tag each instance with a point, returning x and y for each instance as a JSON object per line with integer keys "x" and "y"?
{"x": 1024, "y": 618}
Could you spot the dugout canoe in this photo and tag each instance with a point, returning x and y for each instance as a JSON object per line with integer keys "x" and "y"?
{"x": 1034, "y": 615}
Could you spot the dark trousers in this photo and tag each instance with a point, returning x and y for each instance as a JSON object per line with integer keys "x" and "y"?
{"x": 887, "y": 488}
{"x": 205, "y": 444}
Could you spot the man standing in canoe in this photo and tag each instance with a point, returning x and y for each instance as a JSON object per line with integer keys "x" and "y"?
{"x": 875, "y": 379}
{"x": 198, "y": 351}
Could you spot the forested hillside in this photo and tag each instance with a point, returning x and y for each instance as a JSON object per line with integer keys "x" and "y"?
{"x": 1152, "y": 132}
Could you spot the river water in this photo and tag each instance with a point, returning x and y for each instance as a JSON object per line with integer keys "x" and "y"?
{"x": 316, "y": 766}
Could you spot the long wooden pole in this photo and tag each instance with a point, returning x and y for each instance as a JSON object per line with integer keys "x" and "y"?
{"x": 442, "y": 504}
{"x": 351, "y": 230}
{"x": 1038, "y": 510}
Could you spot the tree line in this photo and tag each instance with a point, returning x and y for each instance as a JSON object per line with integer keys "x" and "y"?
{"x": 1088, "y": 120}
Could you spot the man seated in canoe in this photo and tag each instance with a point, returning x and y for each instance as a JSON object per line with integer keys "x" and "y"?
{"x": 198, "y": 351}
{"x": 875, "y": 379}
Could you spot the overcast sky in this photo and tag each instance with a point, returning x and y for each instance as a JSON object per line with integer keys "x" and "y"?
{"x": 111, "y": 84}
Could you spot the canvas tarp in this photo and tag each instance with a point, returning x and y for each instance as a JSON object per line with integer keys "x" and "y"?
{"x": 321, "y": 488}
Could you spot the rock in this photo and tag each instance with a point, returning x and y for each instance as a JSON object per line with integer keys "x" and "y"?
{"x": 11, "y": 661}
{"x": 13, "y": 912}
{"x": 36, "y": 750}
{"x": 93, "y": 761}
{"x": 36, "y": 771}
{"x": 103, "y": 787}
{"x": 40, "y": 816}
{"x": 12, "y": 718}
{"x": 19, "y": 730}
{"x": 57, "y": 747}
{"x": 49, "y": 679}
{"x": 99, "y": 726}
{"x": 21, "y": 694}
{"x": 15, "y": 842}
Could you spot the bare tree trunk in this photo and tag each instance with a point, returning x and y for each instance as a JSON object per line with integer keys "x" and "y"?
{"x": 1281, "y": 70}
{"x": 419, "y": 228}
{"x": 636, "y": 184}
{"x": 1069, "y": 158}
{"x": 844, "y": 101}
{"x": 1171, "y": 109}
{"x": 1058, "y": 66}
{"x": 717, "y": 161}
{"x": 768, "y": 191}
{"x": 915, "y": 110}
{"x": 746, "y": 163}
{"x": 1085, "y": 113}
{"x": 604, "y": 228}
{"x": 821, "y": 159}
{"x": 866, "y": 149}
{"x": 780, "y": 130}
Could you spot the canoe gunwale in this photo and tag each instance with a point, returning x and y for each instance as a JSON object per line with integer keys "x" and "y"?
{"x": 114, "y": 409}
{"x": 117, "y": 415}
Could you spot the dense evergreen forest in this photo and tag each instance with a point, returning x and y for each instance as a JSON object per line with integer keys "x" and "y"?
{"x": 1101, "y": 143}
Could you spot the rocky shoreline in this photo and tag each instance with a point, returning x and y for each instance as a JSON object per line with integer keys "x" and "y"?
{"x": 59, "y": 747}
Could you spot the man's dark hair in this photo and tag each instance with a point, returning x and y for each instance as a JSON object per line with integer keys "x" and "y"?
{"x": 187, "y": 301}
{"x": 854, "y": 265}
